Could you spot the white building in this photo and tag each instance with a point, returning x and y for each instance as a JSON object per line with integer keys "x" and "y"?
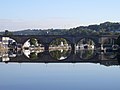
{"x": 5, "y": 41}
{"x": 26, "y": 44}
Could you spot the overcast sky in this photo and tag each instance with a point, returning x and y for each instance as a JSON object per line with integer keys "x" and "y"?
{"x": 43, "y": 14}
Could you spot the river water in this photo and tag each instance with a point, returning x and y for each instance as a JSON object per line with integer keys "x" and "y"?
{"x": 83, "y": 75}
{"x": 63, "y": 76}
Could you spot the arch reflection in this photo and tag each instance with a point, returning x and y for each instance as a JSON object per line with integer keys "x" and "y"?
{"x": 110, "y": 55}
{"x": 86, "y": 54}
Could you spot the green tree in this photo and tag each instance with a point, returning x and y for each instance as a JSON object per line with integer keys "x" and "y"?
{"x": 7, "y": 33}
{"x": 58, "y": 41}
{"x": 33, "y": 55}
{"x": 33, "y": 41}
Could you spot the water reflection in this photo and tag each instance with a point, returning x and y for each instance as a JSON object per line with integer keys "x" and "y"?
{"x": 32, "y": 54}
{"x": 59, "y": 51}
{"x": 110, "y": 55}
{"x": 86, "y": 54}
{"x": 60, "y": 54}
{"x": 86, "y": 49}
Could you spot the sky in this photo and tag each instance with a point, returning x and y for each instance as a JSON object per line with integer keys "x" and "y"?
{"x": 44, "y": 14}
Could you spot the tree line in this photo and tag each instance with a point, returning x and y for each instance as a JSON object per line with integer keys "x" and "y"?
{"x": 107, "y": 28}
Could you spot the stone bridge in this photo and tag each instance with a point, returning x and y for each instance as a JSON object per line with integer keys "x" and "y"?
{"x": 73, "y": 40}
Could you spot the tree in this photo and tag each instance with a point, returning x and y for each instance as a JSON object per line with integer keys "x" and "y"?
{"x": 7, "y": 33}
{"x": 33, "y": 41}
{"x": 33, "y": 56}
{"x": 58, "y": 41}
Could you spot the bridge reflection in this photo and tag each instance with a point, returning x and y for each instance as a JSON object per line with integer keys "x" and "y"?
{"x": 81, "y": 56}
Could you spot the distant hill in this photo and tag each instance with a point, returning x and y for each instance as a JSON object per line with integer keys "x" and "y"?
{"x": 103, "y": 28}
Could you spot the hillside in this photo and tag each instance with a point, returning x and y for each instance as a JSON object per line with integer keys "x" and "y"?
{"x": 103, "y": 28}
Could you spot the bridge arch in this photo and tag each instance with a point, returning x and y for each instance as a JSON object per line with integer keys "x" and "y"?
{"x": 85, "y": 42}
{"x": 60, "y": 48}
{"x": 61, "y": 39}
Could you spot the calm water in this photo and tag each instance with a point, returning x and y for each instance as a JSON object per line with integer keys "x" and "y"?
{"x": 79, "y": 76}
{"x": 90, "y": 73}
